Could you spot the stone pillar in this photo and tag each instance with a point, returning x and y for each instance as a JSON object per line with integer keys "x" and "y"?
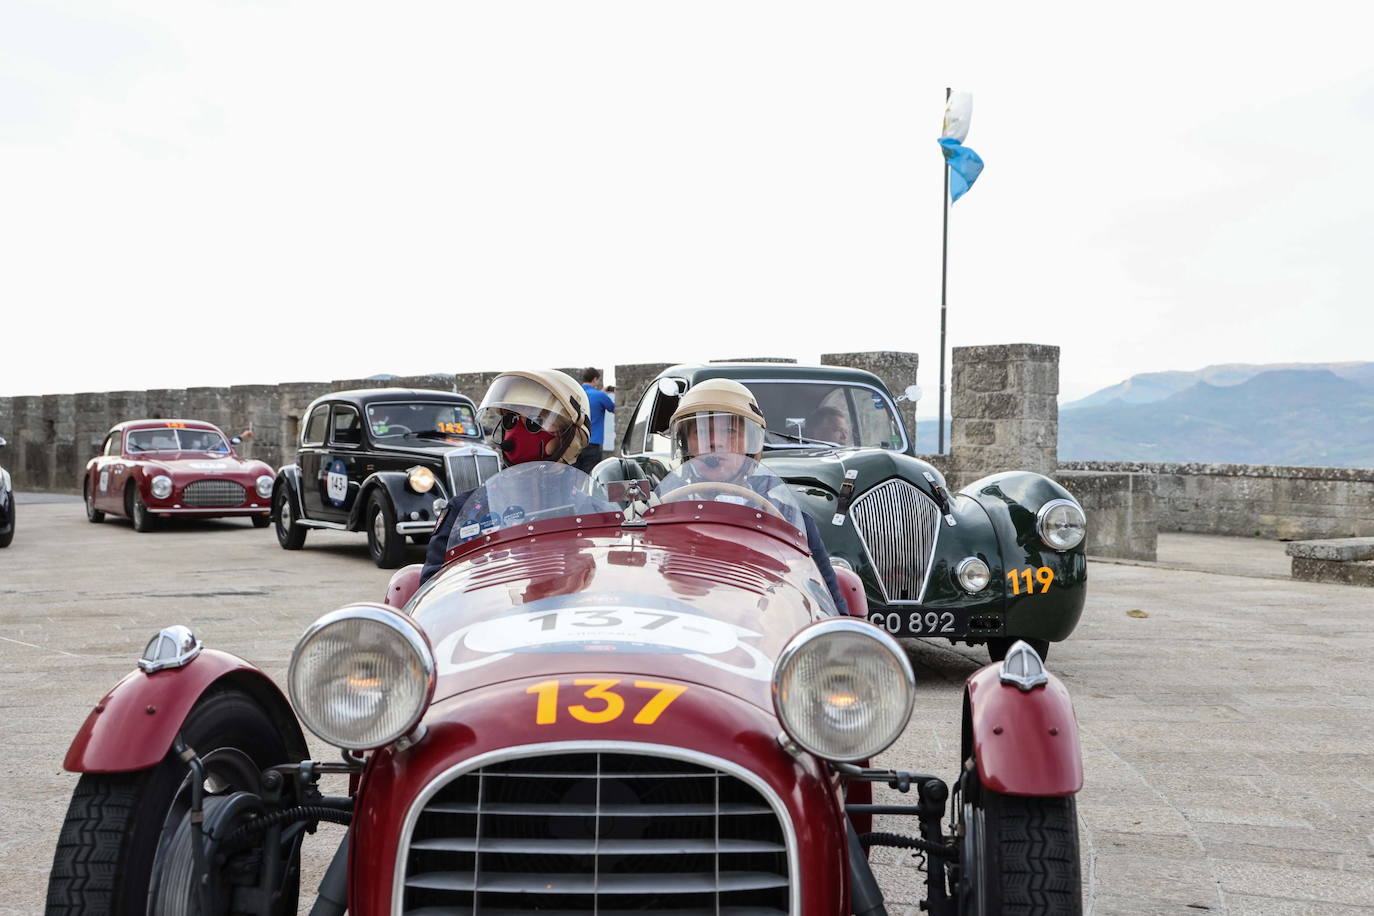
{"x": 256, "y": 408}
{"x": 294, "y": 398}
{"x": 896, "y": 368}
{"x": 1005, "y": 410}
{"x": 630, "y": 381}
{"x": 93, "y": 421}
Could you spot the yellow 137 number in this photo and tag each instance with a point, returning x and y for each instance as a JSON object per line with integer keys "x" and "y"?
{"x": 606, "y": 705}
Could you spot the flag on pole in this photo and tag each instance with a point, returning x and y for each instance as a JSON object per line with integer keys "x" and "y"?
{"x": 964, "y": 164}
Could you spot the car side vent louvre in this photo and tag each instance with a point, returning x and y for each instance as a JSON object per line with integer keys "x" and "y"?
{"x": 713, "y": 569}
{"x": 208, "y": 494}
{"x": 898, "y": 525}
{"x": 597, "y": 833}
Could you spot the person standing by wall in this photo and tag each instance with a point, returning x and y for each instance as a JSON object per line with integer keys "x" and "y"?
{"x": 600, "y": 402}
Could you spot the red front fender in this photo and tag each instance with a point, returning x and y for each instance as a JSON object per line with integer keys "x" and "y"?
{"x": 133, "y": 726}
{"x": 1025, "y": 743}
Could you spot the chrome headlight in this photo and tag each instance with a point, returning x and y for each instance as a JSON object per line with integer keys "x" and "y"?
{"x": 264, "y": 486}
{"x": 361, "y": 676}
{"x": 973, "y": 575}
{"x": 843, "y": 689}
{"x": 161, "y": 486}
{"x": 420, "y": 479}
{"x": 1061, "y": 524}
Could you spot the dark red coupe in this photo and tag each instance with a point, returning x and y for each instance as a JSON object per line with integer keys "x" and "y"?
{"x": 154, "y": 469}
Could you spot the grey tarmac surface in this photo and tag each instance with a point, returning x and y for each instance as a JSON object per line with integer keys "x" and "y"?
{"x": 1228, "y": 737}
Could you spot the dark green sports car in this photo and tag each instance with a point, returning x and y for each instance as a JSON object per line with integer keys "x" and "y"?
{"x": 1000, "y": 560}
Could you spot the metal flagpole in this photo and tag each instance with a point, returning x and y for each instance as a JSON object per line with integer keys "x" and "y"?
{"x": 944, "y": 269}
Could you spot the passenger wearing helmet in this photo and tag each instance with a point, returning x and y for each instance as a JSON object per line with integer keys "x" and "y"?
{"x": 529, "y": 416}
{"x": 719, "y": 424}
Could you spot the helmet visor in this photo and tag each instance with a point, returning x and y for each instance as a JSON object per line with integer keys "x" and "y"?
{"x": 538, "y": 407}
{"x": 714, "y": 432}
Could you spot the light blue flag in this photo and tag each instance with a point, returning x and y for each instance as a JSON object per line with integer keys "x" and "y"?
{"x": 964, "y": 166}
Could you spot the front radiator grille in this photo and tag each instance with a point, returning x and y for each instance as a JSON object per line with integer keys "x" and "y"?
{"x": 204, "y": 494}
{"x": 898, "y": 525}
{"x": 597, "y": 833}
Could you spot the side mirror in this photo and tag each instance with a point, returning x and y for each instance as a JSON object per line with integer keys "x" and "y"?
{"x": 671, "y": 387}
{"x": 236, "y": 440}
{"x": 3, "y": 443}
{"x": 911, "y": 393}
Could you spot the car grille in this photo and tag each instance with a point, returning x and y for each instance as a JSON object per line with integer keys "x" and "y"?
{"x": 597, "y": 833}
{"x": 899, "y": 526}
{"x": 205, "y": 494}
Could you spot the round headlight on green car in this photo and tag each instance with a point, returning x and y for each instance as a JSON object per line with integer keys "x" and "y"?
{"x": 973, "y": 575}
{"x": 843, "y": 689}
{"x": 1061, "y": 524}
{"x": 161, "y": 486}
{"x": 362, "y": 676}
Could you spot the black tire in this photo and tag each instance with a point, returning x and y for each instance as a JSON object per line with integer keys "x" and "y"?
{"x": 93, "y": 515}
{"x": 8, "y": 537}
{"x": 261, "y": 521}
{"x": 118, "y": 824}
{"x": 999, "y": 646}
{"x": 290, "y": 535}
{"x": 1020, "y": 855}
{"x": 144, "y": 521}
{"x": 388, "y": 548}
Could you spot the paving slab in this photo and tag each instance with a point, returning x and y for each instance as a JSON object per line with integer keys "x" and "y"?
{"x": 1225, "y": 758}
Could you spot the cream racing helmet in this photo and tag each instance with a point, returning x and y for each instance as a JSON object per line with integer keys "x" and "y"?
{"x": 717, "y": 415}
{"x": 545, "y": 401}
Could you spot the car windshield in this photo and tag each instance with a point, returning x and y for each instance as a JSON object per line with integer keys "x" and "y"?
{"x": 413, "y": 422}
{"x": 735, "y": 480}
{"x": 177, "y": 440}
{"x": 527, "y": 493}
{"x": 802, "y": 414}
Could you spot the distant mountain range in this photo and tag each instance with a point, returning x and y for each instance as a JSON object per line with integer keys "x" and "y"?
{"x": 1282, "y": 413}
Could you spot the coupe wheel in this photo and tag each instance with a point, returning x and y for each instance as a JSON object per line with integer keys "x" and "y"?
{"x": 261, "y": 521}
{"x": 7, "y": 537}
{"x": 290, "y": 533}
{"x": 1019, "y": 855}
{"x": 999, "y": 646}
{"x": 387, "y": 547}
{"x": 124, "y": 846}
{"x": 143, "y": 520}
{"x": 93, "y": 515}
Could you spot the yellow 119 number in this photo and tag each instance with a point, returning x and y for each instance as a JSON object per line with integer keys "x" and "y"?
{"x": 611, "y": 704}
{"x": 1043, "y": 575}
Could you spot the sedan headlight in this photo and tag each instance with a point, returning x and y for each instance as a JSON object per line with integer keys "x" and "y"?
{"x": 264, "y": 486}
{"x": 843, "y": 689}
{"x": 161, "y": 486}
{"x": 1061, "y": 524}
{"x": 420, "y": 479}
{"x": 973, "y": 575}
{"x": 361, "y": 676}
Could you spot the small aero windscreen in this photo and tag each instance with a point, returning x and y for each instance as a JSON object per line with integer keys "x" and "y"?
{"x": 421, "y": 420}
{"x": 528, "y": 493}
{"x": 733, "y": 480}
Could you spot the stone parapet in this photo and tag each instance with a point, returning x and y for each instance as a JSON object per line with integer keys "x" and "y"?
{"x": 1120, "y": 508}
{"x": 1005, "y": 410}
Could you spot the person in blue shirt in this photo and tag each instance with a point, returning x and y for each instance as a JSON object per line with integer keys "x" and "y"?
{"x": 599, "y": 402}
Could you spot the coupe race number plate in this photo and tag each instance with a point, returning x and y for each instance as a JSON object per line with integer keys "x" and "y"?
{"x": 946, "y": 622}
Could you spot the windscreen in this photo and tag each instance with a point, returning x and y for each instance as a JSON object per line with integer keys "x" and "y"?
{"x": 733, "y": 480}
{"x": 177, "y": 440}
{"x": 527, "y": 493}
{"x": 415, "y": 422}
{"x": 827, "y": 414}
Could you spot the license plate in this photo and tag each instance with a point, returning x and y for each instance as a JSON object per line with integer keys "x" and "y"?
{"x": 922, "y": 622}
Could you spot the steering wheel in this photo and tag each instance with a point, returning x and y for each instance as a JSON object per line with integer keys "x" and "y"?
{"x": 713, "y": 492}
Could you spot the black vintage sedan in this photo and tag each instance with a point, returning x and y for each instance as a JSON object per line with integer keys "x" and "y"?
{"x": 379, "y": 460}
{"x": 1000, "y": 560}
{"x": 6, "y": 505}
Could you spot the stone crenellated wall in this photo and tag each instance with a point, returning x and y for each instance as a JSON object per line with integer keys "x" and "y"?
{"x": 1004, "y": 409}
{"x": 1120, "y": 507}
{"x": 1255, "y": 499}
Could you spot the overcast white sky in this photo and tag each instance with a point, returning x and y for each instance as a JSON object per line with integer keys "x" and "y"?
{"x": 221, "y": 193}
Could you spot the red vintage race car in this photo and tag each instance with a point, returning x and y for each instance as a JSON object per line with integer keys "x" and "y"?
{"x": 153, "y": 469}
{"x": 650, "y": 705}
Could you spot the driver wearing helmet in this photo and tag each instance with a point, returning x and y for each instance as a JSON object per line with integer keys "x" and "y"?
{"x": 530, "y": 416}
{"x": 719, "y": 423}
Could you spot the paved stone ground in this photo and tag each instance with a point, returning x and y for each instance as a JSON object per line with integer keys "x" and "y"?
{"x": 1228, "y": 747}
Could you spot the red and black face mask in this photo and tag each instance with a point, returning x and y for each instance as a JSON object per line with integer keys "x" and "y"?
{"x": 523, "y": 439}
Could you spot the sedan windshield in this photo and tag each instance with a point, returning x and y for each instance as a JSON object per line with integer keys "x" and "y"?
{"x": 177, "y": 440}
{"x": 802, "y": 414}
{"x": 412, "y": 422}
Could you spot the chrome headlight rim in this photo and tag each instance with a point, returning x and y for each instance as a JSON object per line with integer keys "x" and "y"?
{"x": 1042, "y": 516}
{"x": 263, "y": 486}
{"x": 967, "y": 569}
{"x": 420, "y": 479}
{"x": 161, "y": 486}
{"x": 826, "y": 628}
{"x": 415, "y": 639}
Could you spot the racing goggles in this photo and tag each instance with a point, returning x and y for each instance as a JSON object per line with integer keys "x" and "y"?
{"x": 716, "y": 432}
{"x": 510, "y": 420}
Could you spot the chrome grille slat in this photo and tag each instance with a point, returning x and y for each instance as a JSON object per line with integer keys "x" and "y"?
{"x": 597, "y": 833}
{"x": 209, "y": 494}
{"x": 899, "y": 526}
